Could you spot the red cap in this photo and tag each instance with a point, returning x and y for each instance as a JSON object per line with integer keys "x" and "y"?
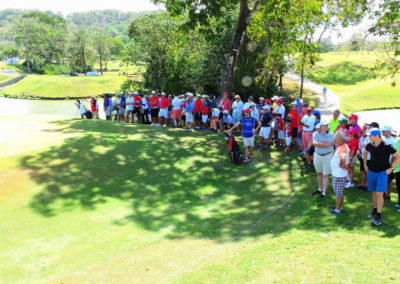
{"x": 308, "y": 108}
{"x": 268, "y": 101}
{"x": 247, "y": 110}
{"x": 353, "y": 116}
{"x": 353, "y": 131}
{"x": 279, "y": 101}
{"x": 225, "y": 94}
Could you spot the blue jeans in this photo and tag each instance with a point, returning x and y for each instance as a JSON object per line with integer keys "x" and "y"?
{"x": 377, "y": 181}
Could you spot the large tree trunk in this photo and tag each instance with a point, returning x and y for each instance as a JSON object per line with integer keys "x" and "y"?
{"x": 226, "y": 79}
{"x": 302, "y": 76}
{"x": 101, "y": 65}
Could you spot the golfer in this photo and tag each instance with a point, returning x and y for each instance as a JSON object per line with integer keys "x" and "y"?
{"x": 248, "y": 123}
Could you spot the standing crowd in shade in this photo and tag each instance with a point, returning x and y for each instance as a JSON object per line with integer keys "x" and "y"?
{"x": 332, "y": 147}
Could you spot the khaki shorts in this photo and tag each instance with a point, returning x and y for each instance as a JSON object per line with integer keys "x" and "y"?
{"x": 353, "y": 162}
{"x": 322, "y": 164}
{"x": 248, "y": 141}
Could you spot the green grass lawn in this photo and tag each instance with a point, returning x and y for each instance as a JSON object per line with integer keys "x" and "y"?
{"x": 5, "y": 78}
{"x": 122, "y": 203}
{"x": 43, "y": 86}
{"x": 350, "y": 75}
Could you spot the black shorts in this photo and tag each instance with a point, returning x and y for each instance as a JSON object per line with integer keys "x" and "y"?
{"x": 197, "y": 116}
{"x": 362, "y": 168}
{"x": 154, "y": 112}
{"x": 295, "y": 132}
{"x": 391, "y": 177}
{"x": 136, "y": 110}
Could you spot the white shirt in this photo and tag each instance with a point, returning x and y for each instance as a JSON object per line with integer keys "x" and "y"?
{"x": 246, "y": 105}
{"x": 82, "y": 108}
{"x": 118, "y": 102}
{"x": 176, "y": 104}
{"x": 337, "y": 171}
{"x": 281, "y": 109}
{"x": 129, "y": 106}
{"x": 144, "y": 103}
{"x": 391, "y": 141}
{"x": 237, "y": 107}
{"x": 308, "y": 120}
{"x": 255, "y": 113}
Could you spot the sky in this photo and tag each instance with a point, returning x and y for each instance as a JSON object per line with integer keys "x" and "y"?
{"x": 69, "y": 6}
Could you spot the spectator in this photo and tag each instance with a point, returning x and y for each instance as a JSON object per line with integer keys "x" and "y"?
{"x": 254, "y": 111}
{"x": 214, "y": 120}
{"x": 197, "y": 109}
{"x": 204, "y": 115}
{"x": 106, "y": 107}
{"x": 354, "y": 145}
{"x": 82, "y": 108}
{"x": 176, "y": 111}
{"x": 288, "y": 135}
{"x": 145, "y": 110}
{"x": 334, "y": 122}
{"x": 397, "y": 174}
{"x": 363, "y": 141}
{"x": 378, "y": 170}
{"x": 226, "y": 103}
{"x": 249, "y": 101}
{"x": 388, "y": 139}
{"x": 95, "y": 108}
{"x": 323, "y": 142}
{"x": 281, "y": 127}
{"x": 163, "y": 114}
{"x": 279, "y": 109}
{"x": 342, "y": 125}
{"x": 129, "y": 108}
{"x": 266, "y": 121}
{"x": 248, "y": 125}
{"x": 307, "y": 121}
{"x": 353, "y": 123}
{"x": 237, "y": 108}
{"x": 339, "y": 166}
{"x": 227, "y": 121}
{"x": 294, "y": 116}
{"x": 189, "y": 114}
{"x": 154, "y": 108}
{"x": 260, "y": 105}
{"x": 122, "y": 107}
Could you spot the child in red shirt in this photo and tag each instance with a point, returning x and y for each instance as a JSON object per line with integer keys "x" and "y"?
{"x": 281, "y": 129}
{"x": 204, "y": 115}
{"x": 354, "y": 145}
{"x": 288, "y": 134}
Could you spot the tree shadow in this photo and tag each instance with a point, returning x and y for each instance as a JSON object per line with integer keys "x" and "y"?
{"x": 161, "y": 175}
{"x": 344, "y": 73}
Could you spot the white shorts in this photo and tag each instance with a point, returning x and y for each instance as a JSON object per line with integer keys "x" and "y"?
{"x": 248, "y": 141}
{"x": 107, "y": 111}
{"x": 264, "y": 132}
{"x": 322, "y": 164}
{"x": 288, "y": 141}
{"x": 163, "y": 113}
{"x": 281, "y": 134}
{"x": 204, "y": 118}
{"x": 189, "y": 117}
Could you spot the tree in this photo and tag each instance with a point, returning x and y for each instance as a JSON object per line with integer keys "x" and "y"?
{"x": 116, "y": 47}
{"x": 80, "y": 49}
{"x": 9, "y": 51}
{"x": 202, "y": 12}
{"x": 102, "y": 47}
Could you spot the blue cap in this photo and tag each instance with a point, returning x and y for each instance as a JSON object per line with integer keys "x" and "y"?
{"x": 289, "y": 120}
{"x": 375, "y": 131}
{"x": 316, "y": 112}
{"x": 204, "y": 103}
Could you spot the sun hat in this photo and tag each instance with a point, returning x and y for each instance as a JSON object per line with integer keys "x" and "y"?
{"x": 247, "y": 110}
{"x": 387, "y": 128}
{"x": 275, "y": 98}
{"x": 324, "y": 122}
{"x": 353, "y": 116}
{"x": 226, "y": 111}
{"x": 374, "y": 131}
{"x": 237, "y": 97}
{"x": 343, "y": 120}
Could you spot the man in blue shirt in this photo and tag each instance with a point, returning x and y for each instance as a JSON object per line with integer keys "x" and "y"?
{"x": 248, "y": 123}
{"x": 266, "y": 121}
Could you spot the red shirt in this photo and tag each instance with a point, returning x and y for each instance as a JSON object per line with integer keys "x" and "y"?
{"x": 354, "y": 145}
{"x": 295, "y": 118}
{"x": 164, "y": 102}
{"x": 281, "y": 124}
{"x": 136, "y": 101}
{"x": 226, "y": 104}
{"x": 153, "y": 100}
{"x": 204, "y": 110}
{"x": 197, "y": 105}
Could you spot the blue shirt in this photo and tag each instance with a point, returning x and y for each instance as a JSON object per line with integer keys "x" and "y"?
{"x": 188, "y": 107}
{"x": 227, "y": 119}
{"x": 265, "y": 119}
{"x": 123, "y": 102}
{"x": 248, "y": 126}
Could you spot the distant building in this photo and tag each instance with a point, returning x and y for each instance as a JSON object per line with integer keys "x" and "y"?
{"x": 11, "y": 60}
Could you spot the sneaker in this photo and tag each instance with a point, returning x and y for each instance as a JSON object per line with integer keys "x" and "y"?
{"x": 334, "y": 212}
{"x": 372, "y": 215}
{"x": 316, "y": 192}
{"x": 376, "y": 222}
{"x": 197, "y": 127}
{"x": 307, "y": 166}
{"x": 164, "y": 125}
{"x": 158, "y": 124}
{"x": 246, "y": 160}
{"x": 398, "y": 210}
{"x": 349, "y": 185}
{"x": 321, "y": 196}
{"x": 397, "y": 205}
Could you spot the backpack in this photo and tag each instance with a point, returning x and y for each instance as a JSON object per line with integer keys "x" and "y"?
{"x": 235, "y": 153}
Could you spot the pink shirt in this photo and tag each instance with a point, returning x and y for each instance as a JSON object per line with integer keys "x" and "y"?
{"x": 226, "y": 104}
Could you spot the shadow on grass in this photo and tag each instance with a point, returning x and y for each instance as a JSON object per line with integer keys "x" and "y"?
{"x": 161, "y": 175}
{"x": 345, "y": 73}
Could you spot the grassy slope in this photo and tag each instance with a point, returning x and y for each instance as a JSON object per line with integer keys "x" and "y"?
{"x": 141, "y": 190}
{"x": 350, "y": 76}
{"x": 5, "y": 78}
{"x": 64, "y": 86}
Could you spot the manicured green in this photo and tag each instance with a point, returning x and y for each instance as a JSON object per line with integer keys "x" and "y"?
{"x": 5, "y": 78}
{"x": 43, "y": 86}
{"x": 121, "y": 203}
{"x": 350, "y": 76}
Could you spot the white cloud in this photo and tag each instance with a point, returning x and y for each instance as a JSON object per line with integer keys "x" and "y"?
{"x": 69, "y": 6}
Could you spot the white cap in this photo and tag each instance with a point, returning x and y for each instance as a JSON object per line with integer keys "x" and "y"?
{"x": 198, "y": 95}
{"x": 162, "y": 94}
{"x": 251, "y": 104}
{"x": 324, "y": 122}
{"x": 261, "y": 98}
{"x": 274, "y": 98}
{"x": 387, "y": 128}
{"x": 294, "y": 103}
{"x": 153, "y": 92}
{"x": 135, "y": 93}
{"x": 266, "y": 107}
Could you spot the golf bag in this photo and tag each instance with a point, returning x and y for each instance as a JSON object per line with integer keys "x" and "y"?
{"x": 88, "y": 114}
{"x": 235, "y": 153}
